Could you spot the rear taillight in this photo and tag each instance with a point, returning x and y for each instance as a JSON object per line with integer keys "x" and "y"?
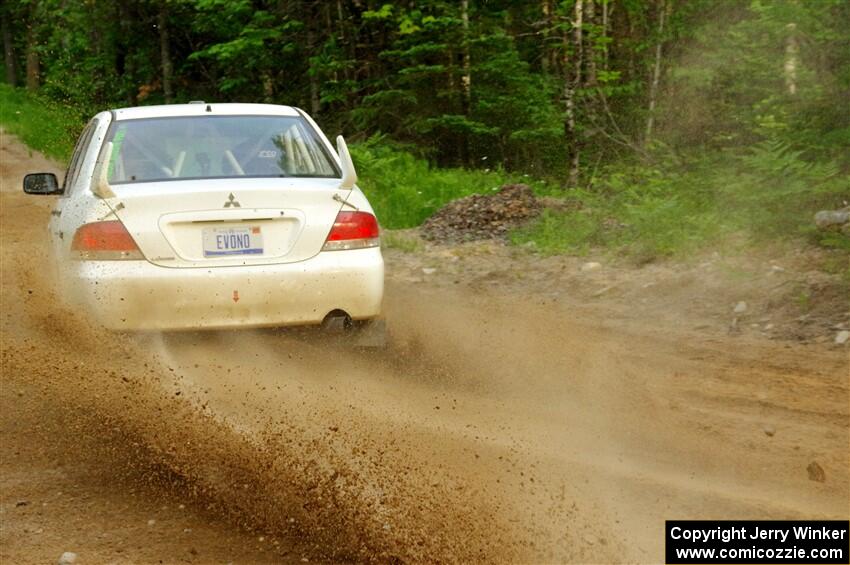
{"x": 105, "y": 241}
{"x": 353, "y": 230}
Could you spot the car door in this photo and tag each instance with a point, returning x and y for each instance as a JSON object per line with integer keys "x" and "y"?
{"x": 56, "y": 226}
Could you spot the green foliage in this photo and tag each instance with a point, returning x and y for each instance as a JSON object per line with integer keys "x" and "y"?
{"x": 553, "y": 233}
{"x": 510, "y": 115}
{"x": 751, "y": 121}
{"x": 780, "y": 190}
{"x": 778, "y": 70}
{"x": 767, "y": 193}
{"x": 405, "y": 189}
{"x": 43, "y": 124}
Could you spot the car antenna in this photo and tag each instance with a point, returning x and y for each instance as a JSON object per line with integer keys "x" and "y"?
{"x": 345, "y": 202}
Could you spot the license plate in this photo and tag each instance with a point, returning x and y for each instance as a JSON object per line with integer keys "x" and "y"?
{"x": 220, "y": 242}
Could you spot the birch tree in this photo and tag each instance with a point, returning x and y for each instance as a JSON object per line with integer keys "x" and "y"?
{"x": 792, "y": 56}
{"x": 663, "y": 7}
{"x": 572, "y": 82}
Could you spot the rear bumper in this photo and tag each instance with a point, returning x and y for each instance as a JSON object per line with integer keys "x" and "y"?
{"x": 137, "y": 295}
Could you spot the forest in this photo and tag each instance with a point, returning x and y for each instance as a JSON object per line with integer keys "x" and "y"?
{"x": 667, "y": 124}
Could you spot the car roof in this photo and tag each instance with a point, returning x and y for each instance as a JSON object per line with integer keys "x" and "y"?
{"x": 202, "y": 109}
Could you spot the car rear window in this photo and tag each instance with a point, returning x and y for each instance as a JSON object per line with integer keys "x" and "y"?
{"x": 159, "y": 149}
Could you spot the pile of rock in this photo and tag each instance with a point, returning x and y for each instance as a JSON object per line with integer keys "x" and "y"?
{"x": 482, "y": 216}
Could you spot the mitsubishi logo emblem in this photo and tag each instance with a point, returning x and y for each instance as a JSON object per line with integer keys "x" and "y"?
{"x": 231, "y": 201}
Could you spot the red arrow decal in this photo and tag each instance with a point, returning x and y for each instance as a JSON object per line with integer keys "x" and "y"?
{"x": 235, "y": 296}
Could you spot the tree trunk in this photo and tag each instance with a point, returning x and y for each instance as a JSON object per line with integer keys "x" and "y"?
{"x": 343, "y": 38}
{"x": 466, "y": 79}
{"x": 656, "y": 73}
{"x": 8, "y": 49}
{"x": 127, "y": 68}
{"x": 605, "y": 17}
{"x": 551, "y": 59}
{"x": 572, "y": 82}
{"x": 792, "y": 58}
{"x": 33, "y": 65}
{"x": 268, "y": 86}
{"x": 465, "y": 82}
{"x": 546, "y": 10}
{"x": 632, "y": 33}
{"x": 591, "y": 58}
{"x": 165, "y": 52}
{"x": 311, "y": 73}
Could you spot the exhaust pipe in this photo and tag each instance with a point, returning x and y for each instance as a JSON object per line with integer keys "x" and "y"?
{"x": 364, "y": 334}
{"x": 337, "y": 322}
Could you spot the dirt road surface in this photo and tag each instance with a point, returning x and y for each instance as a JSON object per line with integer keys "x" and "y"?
{"x": 496, "y": 428}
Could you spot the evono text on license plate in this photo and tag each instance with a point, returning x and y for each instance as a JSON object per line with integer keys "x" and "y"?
{"x": 220, "y": 242}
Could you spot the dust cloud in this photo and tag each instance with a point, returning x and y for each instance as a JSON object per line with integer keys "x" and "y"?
{"x": 492, "y": 429}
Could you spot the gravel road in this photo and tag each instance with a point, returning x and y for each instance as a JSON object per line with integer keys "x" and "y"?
{"x": 495, "y": 428}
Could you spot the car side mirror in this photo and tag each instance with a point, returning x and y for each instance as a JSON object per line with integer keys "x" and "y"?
{"x": 42, "y": 183}
{"x": 349, "y": 175}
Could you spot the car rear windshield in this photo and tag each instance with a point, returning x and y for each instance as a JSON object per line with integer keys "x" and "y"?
{"x": 159, "y": 149}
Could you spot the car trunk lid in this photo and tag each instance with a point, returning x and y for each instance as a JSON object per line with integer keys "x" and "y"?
{"x": 224, "y": 222}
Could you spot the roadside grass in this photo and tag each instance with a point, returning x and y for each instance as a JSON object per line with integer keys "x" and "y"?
{"x": 639, "y": 212}
{"x": 405, "y": 190}
{"x": 396, "y": 239}
{"x": 674, "y": 208}
{"x": 43, "y": 124}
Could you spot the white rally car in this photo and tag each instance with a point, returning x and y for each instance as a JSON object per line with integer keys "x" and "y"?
{"x": 203, "y": 215}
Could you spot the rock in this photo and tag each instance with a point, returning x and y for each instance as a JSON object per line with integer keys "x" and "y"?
{"x": 842, "y": 337}
{"x": 590, "y": 266}
{"x": 20, "y": 503}
{"x": 827, "y": 219}
{"x": 67, "y": 558}
{"x": 151, "y": 522}
{"x": 769, "y": 430}
{"x": 816, "y": 472}
{"x": 482, "y": 216}
{"x": 602, "y": 291}
{"x": 429, "y": 270}
{"x": 769, "y": 327}
{"x": 733, "y": 326}
{"x": 740, "y": 307}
